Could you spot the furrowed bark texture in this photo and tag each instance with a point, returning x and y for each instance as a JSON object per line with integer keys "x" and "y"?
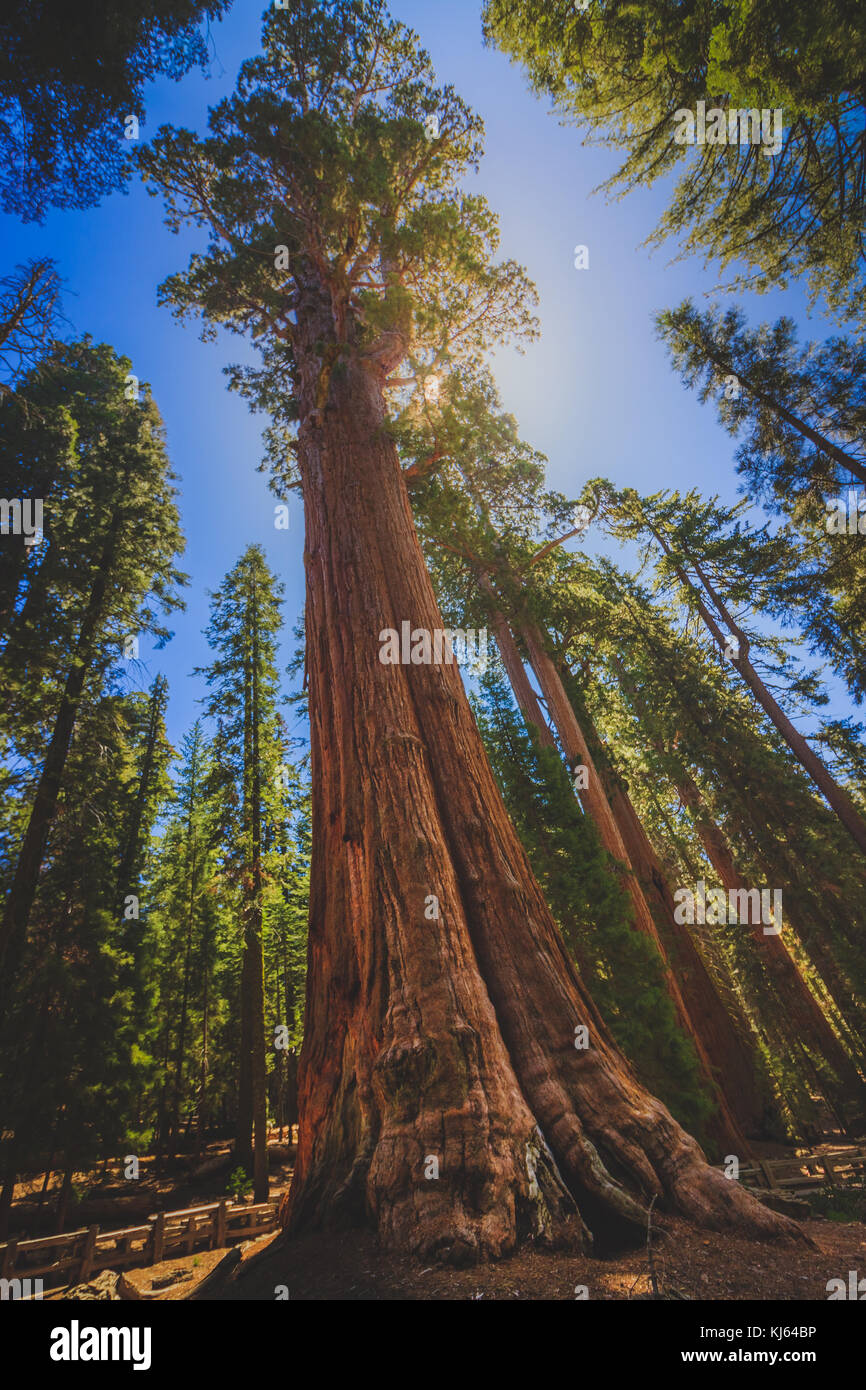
{"x": 439, "y": 1031}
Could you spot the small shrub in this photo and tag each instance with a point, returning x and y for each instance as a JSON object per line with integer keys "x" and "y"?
{"x": 239, "y": 1184}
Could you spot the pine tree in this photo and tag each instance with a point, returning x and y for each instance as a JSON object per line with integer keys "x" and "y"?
{"x": 243, "y": 699}
{"x": 628, "y": 73}
{"x": 72, "y": 1043}
{"x": 29, "y": 318}
{"x": 699, "y": 545}
{"x": 664, "y": 708}
{"x": 70, "y": 80}
{"x": 592, "y": 909}
{"x": 800, "y": 412}
{"x": 104, "y": 576}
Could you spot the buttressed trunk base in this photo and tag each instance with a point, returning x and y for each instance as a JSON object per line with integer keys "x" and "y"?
{"x": 442, "y": 1097}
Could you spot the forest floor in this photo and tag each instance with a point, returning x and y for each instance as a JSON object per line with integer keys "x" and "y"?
{"x": 348, "y": 1266}
{"x": 689, "y": 1263}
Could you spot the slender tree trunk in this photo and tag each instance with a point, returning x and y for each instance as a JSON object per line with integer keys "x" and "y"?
{"x": 520, "y": 683}
{"x": 727, "y": 1129}
{"x": 255, "y": 944}
{"x": 244, "y": 1128}
{"x": 810, "y": 1025}
{"x": 7, "y": 1196}
{"x": 727, "y": 1037}
{"x": 63, "y": 1199}
{"x": 833, "y": 451}
{"x": 191, "y": 858}
{"x": 835, "y": 796}
{"x": 181, "y": 1031}
{"x": 243, "y": 1144}
{"x": 291, "y": 1056}
{"x": 203, "y": 1076}
{"x": 442, "y": 1006}
{"x": 734, "y": 1065}
{"x": 132, "y": 849}
{"x": 46, "y": 1180}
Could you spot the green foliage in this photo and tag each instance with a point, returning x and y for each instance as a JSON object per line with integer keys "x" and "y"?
{"x": 841, "y": 1204}
{"x": 74, "y": 1054}
{"x": 621, "y": 968}
{"x": 622, "y": 70}
{"x": 29, "y": 318}
{"x": 239, "y": 1185}
{"x": 386, "y": 262}
{"x": 800, "y": 414}
{"x": 70, "y": 75}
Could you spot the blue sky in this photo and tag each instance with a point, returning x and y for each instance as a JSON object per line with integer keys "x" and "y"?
{"x": 595, "y": 394}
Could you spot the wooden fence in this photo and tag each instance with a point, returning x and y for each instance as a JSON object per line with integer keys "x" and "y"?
{"x": 805, "y": 1171}
{"x": 81, "y": 1254}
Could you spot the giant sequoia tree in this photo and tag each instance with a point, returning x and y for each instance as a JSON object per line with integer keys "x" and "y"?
{"x": 443, "y": 1012}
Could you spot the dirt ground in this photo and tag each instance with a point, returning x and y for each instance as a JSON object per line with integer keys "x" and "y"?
{"x": 693, "y": 1265}
{"x": 348, "y": 1266}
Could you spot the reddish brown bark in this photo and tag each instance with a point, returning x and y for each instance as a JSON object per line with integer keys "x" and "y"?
{"x": 809, "y": 1023}
{"x": 726, "y": 1128}
{"x": 524, "y": 694}
{"x": 448, "y": 1036}
{"x": 734, "y": 1067}
{"x": 726, "y": 1038}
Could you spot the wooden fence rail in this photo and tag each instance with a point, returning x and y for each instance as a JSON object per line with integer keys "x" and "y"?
{"x": 805, "y": 1171}
{"x": 81, "y": 1254}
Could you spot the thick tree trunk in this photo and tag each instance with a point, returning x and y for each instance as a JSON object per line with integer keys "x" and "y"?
{"x": 442, "y": 1007}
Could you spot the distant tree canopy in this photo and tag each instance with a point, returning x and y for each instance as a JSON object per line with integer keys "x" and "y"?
{"x": 622, "y": 70}
{"x": 70, "y": 74}
{"x": 29, "y": 314}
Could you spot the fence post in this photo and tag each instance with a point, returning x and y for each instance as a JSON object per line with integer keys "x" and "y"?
{"x": 157, "y": 1239}
{"x": 767, "y": 1171}
{"x": 221, "y": 1225}
{"x": 87, "y": 1257}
